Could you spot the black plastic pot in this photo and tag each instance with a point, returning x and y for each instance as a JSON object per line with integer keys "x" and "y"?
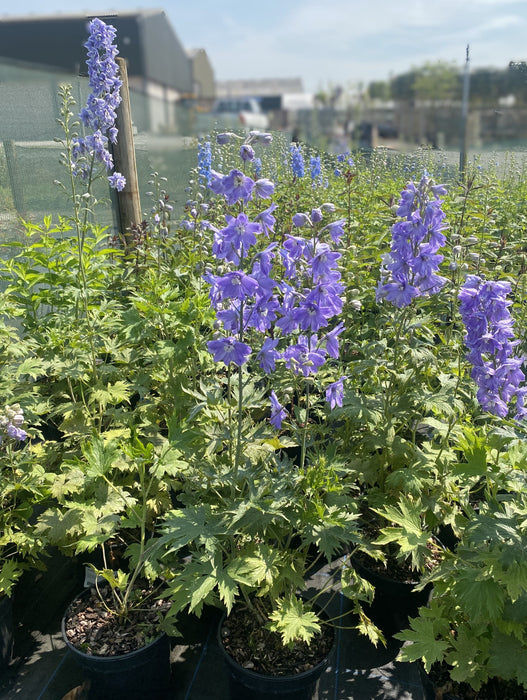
{"x": 430, "y": 690}
{"x": 394, "y": 602}
{"x": 245, "y": 684}
{"x": 140, "y": 674}
{"x": 6, "y": 632}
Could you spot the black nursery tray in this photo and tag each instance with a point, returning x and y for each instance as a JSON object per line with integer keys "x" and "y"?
{"x": 44, "y": 670}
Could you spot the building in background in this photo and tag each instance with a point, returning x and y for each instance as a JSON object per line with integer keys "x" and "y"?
{"x": 160, "y": 71}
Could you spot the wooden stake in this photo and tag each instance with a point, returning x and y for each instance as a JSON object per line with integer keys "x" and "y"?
{"x": 124, "y": 161}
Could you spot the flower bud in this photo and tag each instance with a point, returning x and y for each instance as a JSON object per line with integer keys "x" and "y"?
{"x": 300, "y": 220}
{"x": 246, "y": 152}
{"x": 316, "y": 215}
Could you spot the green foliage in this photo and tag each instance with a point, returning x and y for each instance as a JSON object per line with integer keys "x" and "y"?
{"x": 476, "y": 618}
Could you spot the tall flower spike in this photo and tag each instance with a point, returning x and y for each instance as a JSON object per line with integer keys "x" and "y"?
{"x": 297, "y": 160}
{"x": 490, "y": 341}
{"x": 100, "y": 112}
{"x": 414, "y": 261}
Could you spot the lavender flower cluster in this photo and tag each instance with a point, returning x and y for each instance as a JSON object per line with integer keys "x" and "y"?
{"x": 315, "y": 170}
{"x": 343, "y": 158}
{"x": 11, "y": 422}
{"x": 491, "y": 342}
{"x": 100, "y": 112}
{"x": 204, "y": 162}
{"x": 297, "y": 160}
{"x": 411, "y": 268}
{"x": 289, "y": 294}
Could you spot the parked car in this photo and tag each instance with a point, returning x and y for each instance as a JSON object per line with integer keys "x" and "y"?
{"x": 233, "y": 113}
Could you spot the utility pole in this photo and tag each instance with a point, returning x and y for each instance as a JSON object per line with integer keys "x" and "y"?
{"x": 464, "y": 116}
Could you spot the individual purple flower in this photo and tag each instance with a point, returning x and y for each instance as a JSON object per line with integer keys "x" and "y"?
{"x": 332, "y": 341}
{"x": 263, "y": 188}
{"x": 262, "y": 314}
{"x": 229, "y": 350}
{"x": 236, "y": 186}
{"x": 324, "y": 261}
{"x": 268, "y": 355}
{"x": 312, "y": 317}
{"x": 16, "y": 433}
{"x": 399, "y": 292}
{"x": 335, "y": 393}
{"x": 216, "y": 182}
{"x": 238, "y": 236}
{"x": 304, "y": 357}
{"x": 300, "y": 220}
{"x": 117, "y": 181}
{"x": 267, "y": 219}
{"x": 316, "y": 215}
{"x": 335, "y": 230}
{"x": 230, "y": 318}
{"x": 278, "y": 412}
{"x": 225, "y": 138}
{"x": 235, "y": 285}
{"x": 246, "y": 152}
{"x": 262, "y": 137}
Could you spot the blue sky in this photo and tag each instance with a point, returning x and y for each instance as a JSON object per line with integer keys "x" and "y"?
{"x": 331, "y": 42}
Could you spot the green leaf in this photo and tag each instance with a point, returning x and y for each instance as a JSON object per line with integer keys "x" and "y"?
{"x": 508, "y": 658}
{"x": 9, "y": 575}
{"x": 32, "y": 366}
{"x": 468, "y": 656}
{"x": 480, "y": 597}
{"x": 191, "y": 524}
{"x": 253, "y": 569}
{"x": 425, "y": 643}
{"x": 100, "y": 456}
{"x": 293, "y": 621}
{"x": 112, "y": 394}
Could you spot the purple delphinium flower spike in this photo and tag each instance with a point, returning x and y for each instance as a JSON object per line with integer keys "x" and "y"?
{"x": 204, "y": 162}
{"x": 100, "y": 112}
{"x": 490, "y": 340}
{"x": 297, "y": 160}
{"x": 411, "y": 268}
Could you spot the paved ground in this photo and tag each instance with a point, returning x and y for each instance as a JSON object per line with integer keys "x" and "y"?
{"x": 44, "y": 670}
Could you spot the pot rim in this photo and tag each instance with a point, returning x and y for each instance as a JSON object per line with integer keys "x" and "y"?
{"x": 98, "y": 657}
{"x": 254, "y": 675}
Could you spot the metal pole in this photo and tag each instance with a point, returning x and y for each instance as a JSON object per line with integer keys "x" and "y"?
{"x": 464, "y": 117}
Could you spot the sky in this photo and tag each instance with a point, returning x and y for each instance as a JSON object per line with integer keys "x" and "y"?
{"x": 329, "y": 43}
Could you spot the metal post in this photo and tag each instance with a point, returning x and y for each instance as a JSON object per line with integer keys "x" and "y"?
{"x": 464, "y": 117}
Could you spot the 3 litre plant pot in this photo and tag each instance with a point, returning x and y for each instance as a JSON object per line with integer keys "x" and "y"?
{"x": 245, "y": 684}
{"x": 395, "y": 601}
{"x": 139, "y": 675}
{"x": 6, "y": 632}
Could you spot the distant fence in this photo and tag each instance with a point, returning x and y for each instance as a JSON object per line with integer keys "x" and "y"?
{"x": 30, "y": 154}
